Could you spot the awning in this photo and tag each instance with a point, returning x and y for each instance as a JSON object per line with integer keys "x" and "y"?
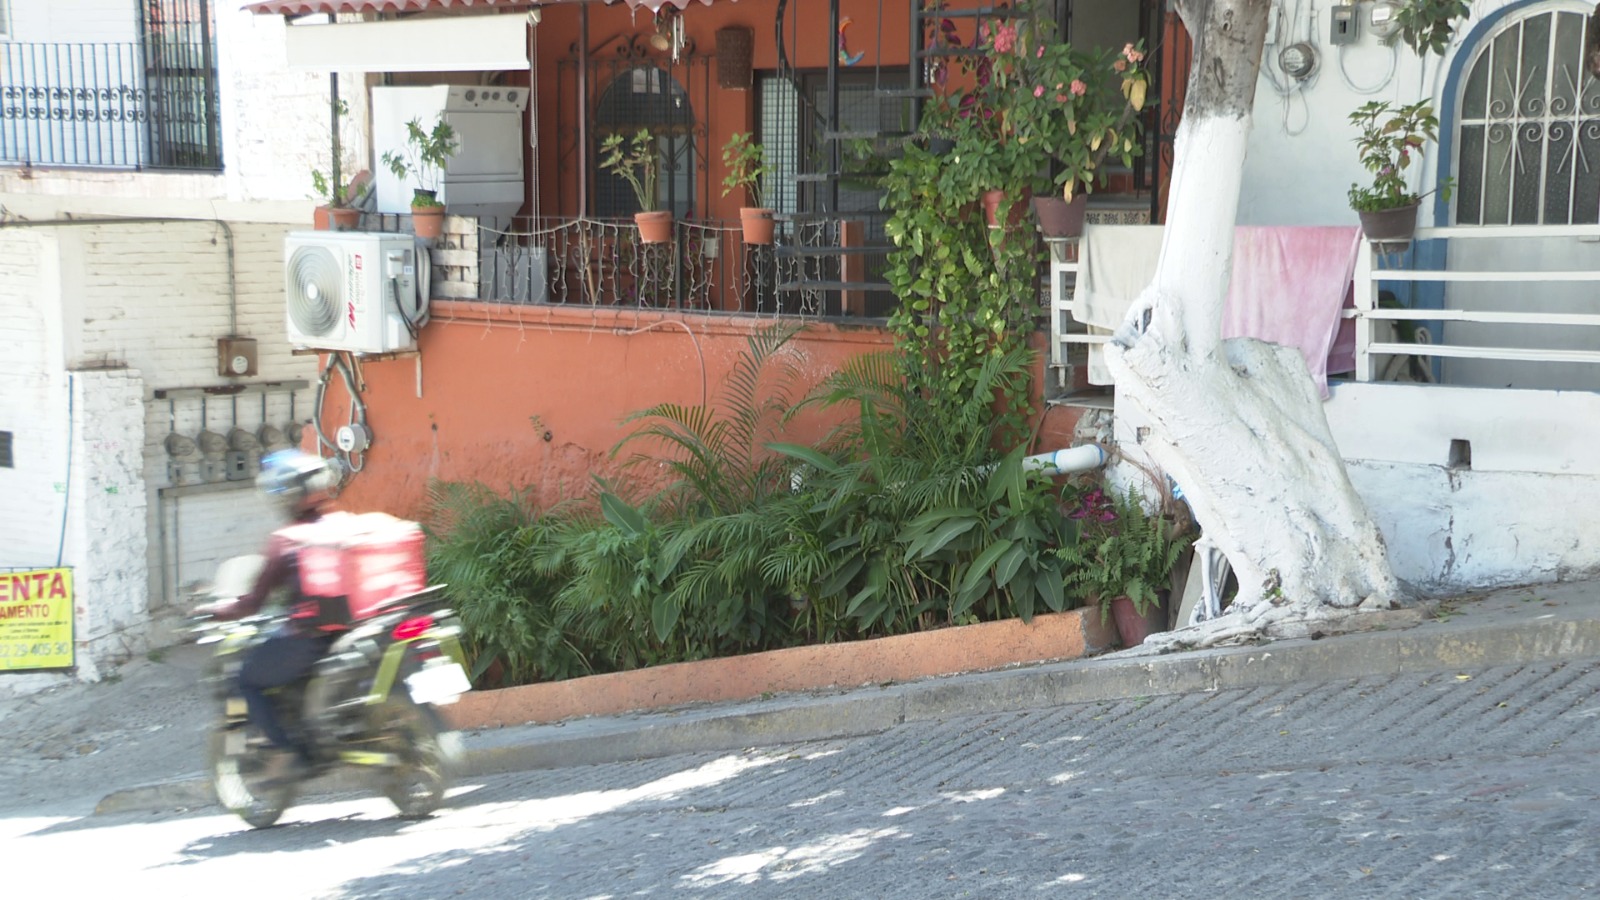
{"x": 305, "y": 7}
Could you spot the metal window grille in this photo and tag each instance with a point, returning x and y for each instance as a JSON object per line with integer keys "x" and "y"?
{"x": 1528, "y": 136}
{"x": 180, "y": 63}
{"x": 646, "y": 96}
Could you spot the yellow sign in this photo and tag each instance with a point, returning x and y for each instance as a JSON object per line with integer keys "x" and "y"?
{"x": 36, "y": 619}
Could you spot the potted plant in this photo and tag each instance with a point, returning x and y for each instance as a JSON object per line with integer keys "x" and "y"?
{"x": 1391, "y": 137}
{"x": 340, "y": 198}
{"x": 1038, "y": 103}
{"x": 637, "y": 161}
{"x": 425, "y": 157}
{"x": 340, "y": 209}
{"x": 746, "y": 161}
{"x": 1087, "y": 106}
{"x": 1123, "y": 561}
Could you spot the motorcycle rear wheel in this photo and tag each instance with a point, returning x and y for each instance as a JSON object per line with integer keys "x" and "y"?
{"x": 240, "y": 779}
{"x": 430, "y": 754}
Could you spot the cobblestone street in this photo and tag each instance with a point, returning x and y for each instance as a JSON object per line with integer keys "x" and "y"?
{"x": 1470, "y": 783}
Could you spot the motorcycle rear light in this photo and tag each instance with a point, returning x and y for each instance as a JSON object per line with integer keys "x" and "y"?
{"x": 412, "y": 628}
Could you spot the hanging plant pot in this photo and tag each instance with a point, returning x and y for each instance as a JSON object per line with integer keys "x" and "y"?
{"x": 427, "y": 221}
{"x": 939, "y": 146}
{"x": 654, "y": 227}
{"x": 992, "y": 200}
{"x": 1390, "y": 229}
{"x": 1060, "y": 218}
{"x": 758, "y": 224}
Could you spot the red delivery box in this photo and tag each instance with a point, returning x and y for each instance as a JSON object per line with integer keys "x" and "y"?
{"x": 352, "y": 563}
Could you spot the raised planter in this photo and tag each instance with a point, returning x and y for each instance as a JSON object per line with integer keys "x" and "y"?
{"x": 947, "y": 651}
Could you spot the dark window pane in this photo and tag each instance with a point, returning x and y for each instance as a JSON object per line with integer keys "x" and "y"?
{"x": 1469, "y": 200}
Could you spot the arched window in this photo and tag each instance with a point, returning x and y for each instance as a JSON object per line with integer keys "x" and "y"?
{"x": 1528, "y": 126}
{"x": 645, "y": 96}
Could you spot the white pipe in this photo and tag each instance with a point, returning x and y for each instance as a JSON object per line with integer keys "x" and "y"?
{"x": 1081, "y": 458}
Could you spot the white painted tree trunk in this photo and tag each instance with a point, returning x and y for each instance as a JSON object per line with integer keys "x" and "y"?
{"x": 1239, "y": 423}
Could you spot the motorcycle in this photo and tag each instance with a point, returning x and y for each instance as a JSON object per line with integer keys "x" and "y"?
{"x": 371, "y": 703}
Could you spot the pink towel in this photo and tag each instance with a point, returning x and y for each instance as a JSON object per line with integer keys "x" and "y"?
{"x": 1289, "y": 283}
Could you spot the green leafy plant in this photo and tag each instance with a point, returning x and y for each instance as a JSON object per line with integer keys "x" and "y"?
{"x": 746, "y": 161}
{"x": 1428, "y": 25}
{"x": 636, "y": 160}
{"x": 336, "y": 189}
{"x": 425, "y": 157}
{"x": 1037, "y": 101}
{"x": 1123, "y": 551}
{"x": 1391, "y": 138}
{"x": 482, "y": 547}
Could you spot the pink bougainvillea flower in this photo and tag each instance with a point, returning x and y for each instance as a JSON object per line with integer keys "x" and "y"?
{"x": 1061, "y": 98}
{"x": 1005, "y": 38}
{"x": 1132, "y": 55}
{"x": 1039, "y": 54}
{"x": 1120, "y": 65}
{"x": 1079, "y": 88}
{"x": 1039, "y": 91}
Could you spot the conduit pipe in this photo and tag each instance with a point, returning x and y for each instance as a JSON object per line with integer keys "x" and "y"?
{"x": 1081, "y": 458}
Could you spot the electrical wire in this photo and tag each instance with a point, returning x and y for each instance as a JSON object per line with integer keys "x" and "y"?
{"x": 1394, "y": 64}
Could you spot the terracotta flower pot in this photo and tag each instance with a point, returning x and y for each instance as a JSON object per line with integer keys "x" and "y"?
{"x": 427, "y": 221}
{"x": 1132, "y": 627}
{"x": 320, "y": 220}
{"x": 654, "y": 227}
{"x": 758, "y": 224}
{"x": 1060, "y": 218}
{"x": 344, "y": 218}
{"x": 1014, "y": 216}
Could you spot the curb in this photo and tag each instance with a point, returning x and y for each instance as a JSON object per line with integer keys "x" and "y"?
{"x": 812, "y": 717}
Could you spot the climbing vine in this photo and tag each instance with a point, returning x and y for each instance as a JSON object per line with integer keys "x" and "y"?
{"x": 967, "y": 292}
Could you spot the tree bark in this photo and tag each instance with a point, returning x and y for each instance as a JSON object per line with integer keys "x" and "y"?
{"x": 1238, "y": 424}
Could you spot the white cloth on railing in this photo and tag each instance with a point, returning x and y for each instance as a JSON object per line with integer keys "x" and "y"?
{"x": 1288, "y": 285}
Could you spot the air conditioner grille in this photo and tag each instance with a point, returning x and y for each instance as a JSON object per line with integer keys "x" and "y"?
{"x": 316, "y": 284}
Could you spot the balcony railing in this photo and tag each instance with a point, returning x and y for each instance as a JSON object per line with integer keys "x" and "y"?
{"x": 109, "y": 105}
{"x": 706, "y": 267}
{"x": 1520, "y": 296}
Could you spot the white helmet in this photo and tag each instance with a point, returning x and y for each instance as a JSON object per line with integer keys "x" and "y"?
{"x": 296, "y": 480}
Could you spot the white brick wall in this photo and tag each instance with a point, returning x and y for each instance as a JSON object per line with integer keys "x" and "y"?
{"x": 156, "y": 297}
{"x": 33, "y": 403}
{"x": 74, "y": 20}
{"x": 106, "y": 520}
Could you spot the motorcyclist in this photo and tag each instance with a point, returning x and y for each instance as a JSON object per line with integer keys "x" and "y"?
{"x": 300, "y": 484}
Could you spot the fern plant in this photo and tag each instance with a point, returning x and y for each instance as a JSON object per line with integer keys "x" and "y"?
{"x": 1123, "y": 551}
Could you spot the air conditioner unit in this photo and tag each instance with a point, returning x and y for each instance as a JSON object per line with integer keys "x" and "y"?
{"x": 352, "y": 290}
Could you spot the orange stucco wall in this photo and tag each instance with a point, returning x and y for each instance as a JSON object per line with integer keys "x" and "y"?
{"x": 535, "y": 396}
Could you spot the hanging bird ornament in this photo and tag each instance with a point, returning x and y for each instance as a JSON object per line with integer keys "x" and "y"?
{"x": 844, "y": 49}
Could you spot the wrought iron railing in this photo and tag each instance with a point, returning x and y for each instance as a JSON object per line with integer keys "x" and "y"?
{"x": 113, "y": 105}
{"x": 706, "y": 267}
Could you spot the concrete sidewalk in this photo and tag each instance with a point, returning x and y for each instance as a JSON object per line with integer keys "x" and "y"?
{"x": 1542, "y": 623}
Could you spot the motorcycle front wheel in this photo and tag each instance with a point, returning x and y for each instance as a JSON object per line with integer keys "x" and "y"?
{"x": 429, "y": 755}
{"x": 243, "y": 774}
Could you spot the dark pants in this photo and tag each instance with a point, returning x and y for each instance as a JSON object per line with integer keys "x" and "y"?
{"x": 281, "y": 659}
